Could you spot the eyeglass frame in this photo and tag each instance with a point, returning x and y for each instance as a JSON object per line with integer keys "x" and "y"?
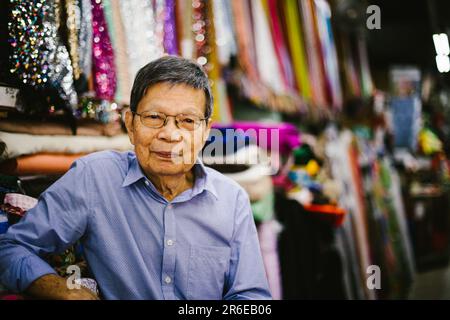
{"x": 165, "y": 120}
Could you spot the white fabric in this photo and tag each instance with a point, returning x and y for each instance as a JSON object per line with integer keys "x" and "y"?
{"x": 267, "y": 61}
{"x": 248, "y": 155}
{"x": 253, "y": 173}
{"x": 19, "y": 144}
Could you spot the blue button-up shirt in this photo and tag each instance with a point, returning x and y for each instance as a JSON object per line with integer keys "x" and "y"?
{"x": 201, "y": 245}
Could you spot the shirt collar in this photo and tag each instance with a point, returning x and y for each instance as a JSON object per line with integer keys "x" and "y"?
{"x": 202, "y": 178}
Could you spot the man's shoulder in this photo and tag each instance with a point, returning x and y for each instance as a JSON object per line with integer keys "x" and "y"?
{"x": 105, "y": 158}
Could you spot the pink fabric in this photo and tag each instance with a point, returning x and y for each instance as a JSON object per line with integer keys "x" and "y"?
{"x": 280, "y": 45}
{"x": 103, "y": 56}
{"x": 268, "y": 240}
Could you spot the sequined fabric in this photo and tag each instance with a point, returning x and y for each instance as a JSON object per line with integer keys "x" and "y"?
{"x": 170, "y": 35}
{"x": 103, "y": 57}
{"x": 140, "y": 30}
{"x": 85, "y": 38}
{"x": 38, "y": 57}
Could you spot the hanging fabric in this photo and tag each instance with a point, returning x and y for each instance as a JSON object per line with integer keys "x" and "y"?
{"x": 280, "y": 44}
{"x": 366, "y": 77}
{"x": 312, "y": 47}
{"x": 266, "y": 60}
{"x": 103, "y": 56}
{"x": 297, "y": 48}
{"x": 184, "y": 11}
{"x": 329, "y": 52}
{"x": 43, "y": 66}
{"x": 85, "y": 38}
{"x": 225, "y": 34}
{"x": 143, "y": 44}
{"x": 119, "y": 42}
{"x": 170, "y": 35}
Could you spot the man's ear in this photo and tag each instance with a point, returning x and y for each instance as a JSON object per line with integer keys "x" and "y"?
{"x": 130, "y": 125}
{"x": 207, "y": 130}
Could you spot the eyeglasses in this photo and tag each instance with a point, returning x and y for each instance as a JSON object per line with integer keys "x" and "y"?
{"x": 156, "y": 120}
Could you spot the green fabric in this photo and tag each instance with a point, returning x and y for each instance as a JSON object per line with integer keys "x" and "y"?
{"x": 302, "y": 155}
{"x": 264, "y": 208}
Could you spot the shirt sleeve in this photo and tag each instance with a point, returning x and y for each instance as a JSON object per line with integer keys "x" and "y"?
{"x": 58, "y": 220}
{"x": 246, "y": 279}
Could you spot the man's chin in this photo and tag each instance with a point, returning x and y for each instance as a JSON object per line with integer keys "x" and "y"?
{"x": 167, "y": 168}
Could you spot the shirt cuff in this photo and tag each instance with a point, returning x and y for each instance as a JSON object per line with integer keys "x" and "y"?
{"x": 19, "y": 277}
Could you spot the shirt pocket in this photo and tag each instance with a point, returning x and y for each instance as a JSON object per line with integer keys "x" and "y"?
{"x": 208, "y": 266}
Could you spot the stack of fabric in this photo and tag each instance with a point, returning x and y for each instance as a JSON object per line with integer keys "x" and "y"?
{"x": 39, "y": 149}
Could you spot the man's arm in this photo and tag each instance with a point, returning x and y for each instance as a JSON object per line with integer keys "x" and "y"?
{"x": 247, "y": 277}
{"x": 58, "y": 220}
{"x": 54, "y": 287}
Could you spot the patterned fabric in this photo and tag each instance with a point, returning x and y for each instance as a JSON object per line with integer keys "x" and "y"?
{"x": 103, "y": 56}
{"x": 19, "y": 200}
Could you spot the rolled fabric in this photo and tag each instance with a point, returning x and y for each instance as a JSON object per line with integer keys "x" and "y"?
{"x": 39, "y": 164}
{"x": 18, "y": 144}
{"x": 20, "y": 200}
{"x": 84, "y": 128}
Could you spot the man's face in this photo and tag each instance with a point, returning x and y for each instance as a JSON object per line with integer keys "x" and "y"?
{"x": 168, "y": 150}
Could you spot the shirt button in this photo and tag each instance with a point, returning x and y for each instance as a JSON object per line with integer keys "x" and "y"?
{"x": 169, "y": 206}
{"x": 168, "y": 280}
{"x": 169, "y": 242}
{"x": 147, "y": 183}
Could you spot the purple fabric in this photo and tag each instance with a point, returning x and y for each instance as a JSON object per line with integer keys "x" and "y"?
{"x": 289, "y": 136}
{"x": 170, "y": 36}
{"x": 103, "y": 56}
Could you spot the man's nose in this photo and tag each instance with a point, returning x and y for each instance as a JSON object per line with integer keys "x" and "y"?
{"x": 170, "y": 131}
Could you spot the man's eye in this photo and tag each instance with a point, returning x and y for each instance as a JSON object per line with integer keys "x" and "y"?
{"x": 187, "y": 120}
{"x": 153, "y": 117}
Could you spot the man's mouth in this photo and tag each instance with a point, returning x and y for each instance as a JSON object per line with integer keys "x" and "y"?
{"x": 167, "y": 154}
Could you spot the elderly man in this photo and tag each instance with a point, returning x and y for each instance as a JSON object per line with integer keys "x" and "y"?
{"x": 154, "y": 223}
